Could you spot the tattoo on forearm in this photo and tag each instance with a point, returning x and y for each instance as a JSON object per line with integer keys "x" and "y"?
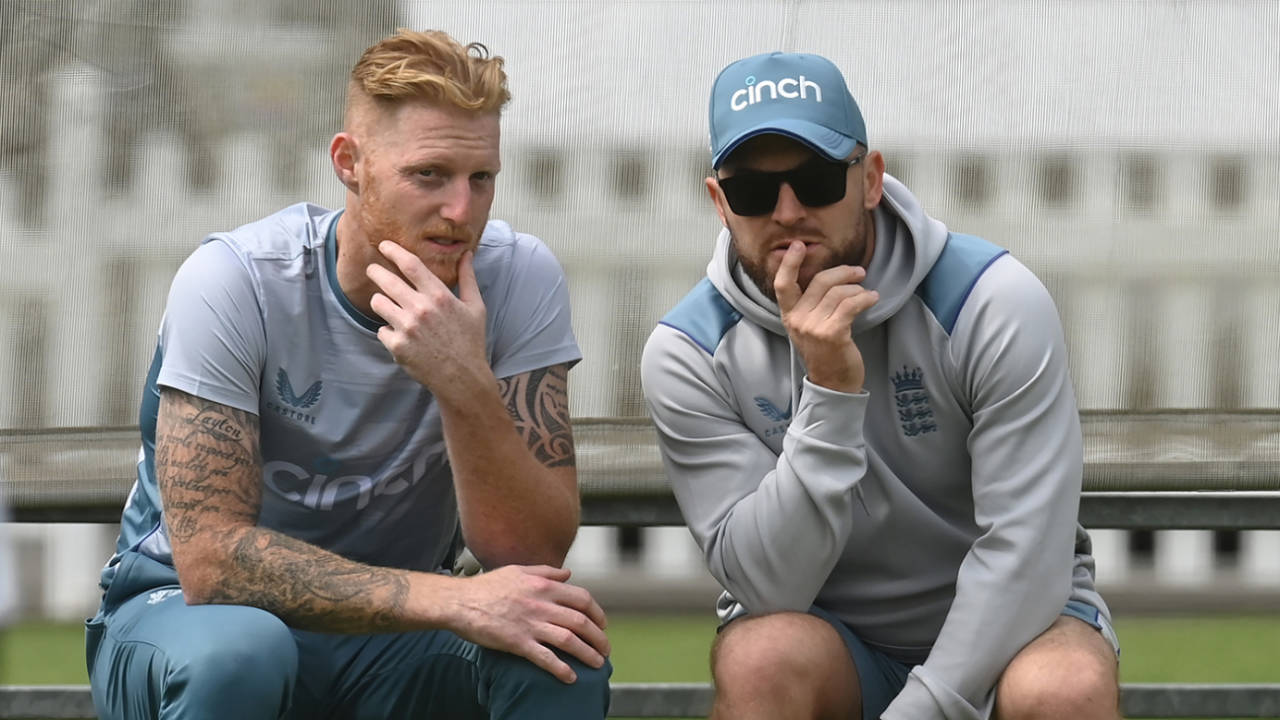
{"x": 538, "y": 402}
{"x": 313, "y": 588}
{"x": 209, "y": 472}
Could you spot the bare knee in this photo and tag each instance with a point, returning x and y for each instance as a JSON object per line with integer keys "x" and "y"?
{"x": 783, "y": 665}
{"x": 1067, "y": 673}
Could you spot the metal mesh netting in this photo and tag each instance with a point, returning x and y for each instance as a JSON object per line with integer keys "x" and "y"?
{"x": 1128, "y": 153}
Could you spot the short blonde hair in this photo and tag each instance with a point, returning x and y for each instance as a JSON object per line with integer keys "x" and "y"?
{"x": 429, "y": 65}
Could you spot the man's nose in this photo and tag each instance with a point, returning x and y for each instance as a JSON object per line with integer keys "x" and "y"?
{"x": 789, "y": 209}
{"x": 459, "y": 197}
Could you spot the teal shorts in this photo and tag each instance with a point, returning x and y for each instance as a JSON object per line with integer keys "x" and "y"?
{"x": 151, "y": 655}
{"x": 882, "y": 677}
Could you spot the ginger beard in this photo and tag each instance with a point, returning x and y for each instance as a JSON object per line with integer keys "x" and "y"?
{"x": 761, "y": 263}
{"x": 382, "y": 220}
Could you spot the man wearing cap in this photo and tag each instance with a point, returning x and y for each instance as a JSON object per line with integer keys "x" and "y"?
{"x": 871, "y": 431}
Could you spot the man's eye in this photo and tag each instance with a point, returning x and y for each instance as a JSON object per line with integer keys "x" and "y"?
{"x": 482, "y": 176}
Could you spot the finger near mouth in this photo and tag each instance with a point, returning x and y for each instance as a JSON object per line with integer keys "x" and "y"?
{"x": 779, "y": 252}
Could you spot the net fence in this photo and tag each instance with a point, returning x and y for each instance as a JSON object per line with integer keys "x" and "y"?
{"x": 1128, "y": 153}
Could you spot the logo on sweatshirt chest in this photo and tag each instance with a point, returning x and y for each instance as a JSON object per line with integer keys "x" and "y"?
{"x": 912, "y": 402}
{"x": 773, "y": 413}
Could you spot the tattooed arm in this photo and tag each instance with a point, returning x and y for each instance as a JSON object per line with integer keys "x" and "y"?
{"x": 509, "y": 441}
{"x": 210, "y": 475}
{"x": 514, "y": 470}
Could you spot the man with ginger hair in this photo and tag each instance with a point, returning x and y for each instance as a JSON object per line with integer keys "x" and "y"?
{"x": 338, "y": 401}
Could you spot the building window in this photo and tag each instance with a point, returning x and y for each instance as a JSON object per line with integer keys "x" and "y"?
{"x": 1227, "y": 183}
{"x": 900, "y": 165}
{"x": 1056, "y": 180}
{"x": 545, "y": 174}
{"x": 971, "y": 180}
{"x": 1140, "y": 177}
{"x": 631, "y": 171}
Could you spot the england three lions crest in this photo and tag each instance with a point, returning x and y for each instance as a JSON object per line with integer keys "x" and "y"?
{"x": 912, "y": 402}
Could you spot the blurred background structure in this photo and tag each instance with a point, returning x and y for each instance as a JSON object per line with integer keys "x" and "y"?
{"x": 1128, "y": 153}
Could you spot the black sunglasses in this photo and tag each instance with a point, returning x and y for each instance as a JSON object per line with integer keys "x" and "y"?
{"x": 816, "y": 182}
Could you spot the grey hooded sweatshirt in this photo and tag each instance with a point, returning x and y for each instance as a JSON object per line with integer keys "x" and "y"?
{"x": 935, "y": 512}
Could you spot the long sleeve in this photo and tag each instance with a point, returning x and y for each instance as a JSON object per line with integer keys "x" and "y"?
{"x": 1010, "y": 358}
{"x": 771, "y": 527}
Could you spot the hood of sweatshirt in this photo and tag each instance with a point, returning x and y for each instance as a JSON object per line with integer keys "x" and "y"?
{"x": 907, "y": 243}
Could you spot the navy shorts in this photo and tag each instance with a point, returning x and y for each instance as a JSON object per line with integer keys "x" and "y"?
{"x": 883, "y": 677}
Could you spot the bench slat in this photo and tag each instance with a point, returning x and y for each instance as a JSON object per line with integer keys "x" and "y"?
{"x": 619, "y": 456}
{"x": 1121, "y": 510}
{"x": 1224, "y": 700}
{"x": 1140, "y": 470}
{"x": 647, "y": 700}
{"x": 1118, "y": 510}
{"x": 55, "y": 702}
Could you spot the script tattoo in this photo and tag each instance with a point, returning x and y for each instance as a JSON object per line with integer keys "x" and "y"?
{"x": 206, "y": 466}
{"x": 538, "y": 402}
{"x": 209, "y": 471}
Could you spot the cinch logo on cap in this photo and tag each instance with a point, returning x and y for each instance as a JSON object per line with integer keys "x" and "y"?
{"x": 786, "y": 88}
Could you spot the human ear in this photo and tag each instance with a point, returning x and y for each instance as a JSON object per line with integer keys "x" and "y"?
{"x": 344, "y": 153}
{"x": 872, "y": 179}
{"x": 717, "y": 198}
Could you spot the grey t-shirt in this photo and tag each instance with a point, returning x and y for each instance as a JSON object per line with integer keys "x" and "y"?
{"x": 353, "y": 450}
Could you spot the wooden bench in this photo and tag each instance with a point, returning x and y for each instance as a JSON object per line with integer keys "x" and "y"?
{"x": 1142, "y": 471}
{"x": 649, "y": 700}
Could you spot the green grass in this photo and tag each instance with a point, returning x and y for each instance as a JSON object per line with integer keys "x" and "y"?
{"x": 661, "y": 648}
{"x": 1243, "y": 649}
{"x": 42, "y": 653}
{"x": 1207, "y": 649}
{"x": 673, "y": 648}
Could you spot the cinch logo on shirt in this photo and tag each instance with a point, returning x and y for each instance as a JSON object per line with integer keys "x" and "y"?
{"x": 291, "y": 402}
{"x": 321, "y": 492}
{"x": 786, "y": 88}
{"x": 914, "y": 411}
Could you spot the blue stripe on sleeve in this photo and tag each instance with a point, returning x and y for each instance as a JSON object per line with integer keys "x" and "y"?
{"x": 704, "y": 315}
{"x": 948, "y": 284}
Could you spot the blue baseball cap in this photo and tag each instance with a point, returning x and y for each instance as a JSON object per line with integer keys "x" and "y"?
{"x": 797, "y": 95}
